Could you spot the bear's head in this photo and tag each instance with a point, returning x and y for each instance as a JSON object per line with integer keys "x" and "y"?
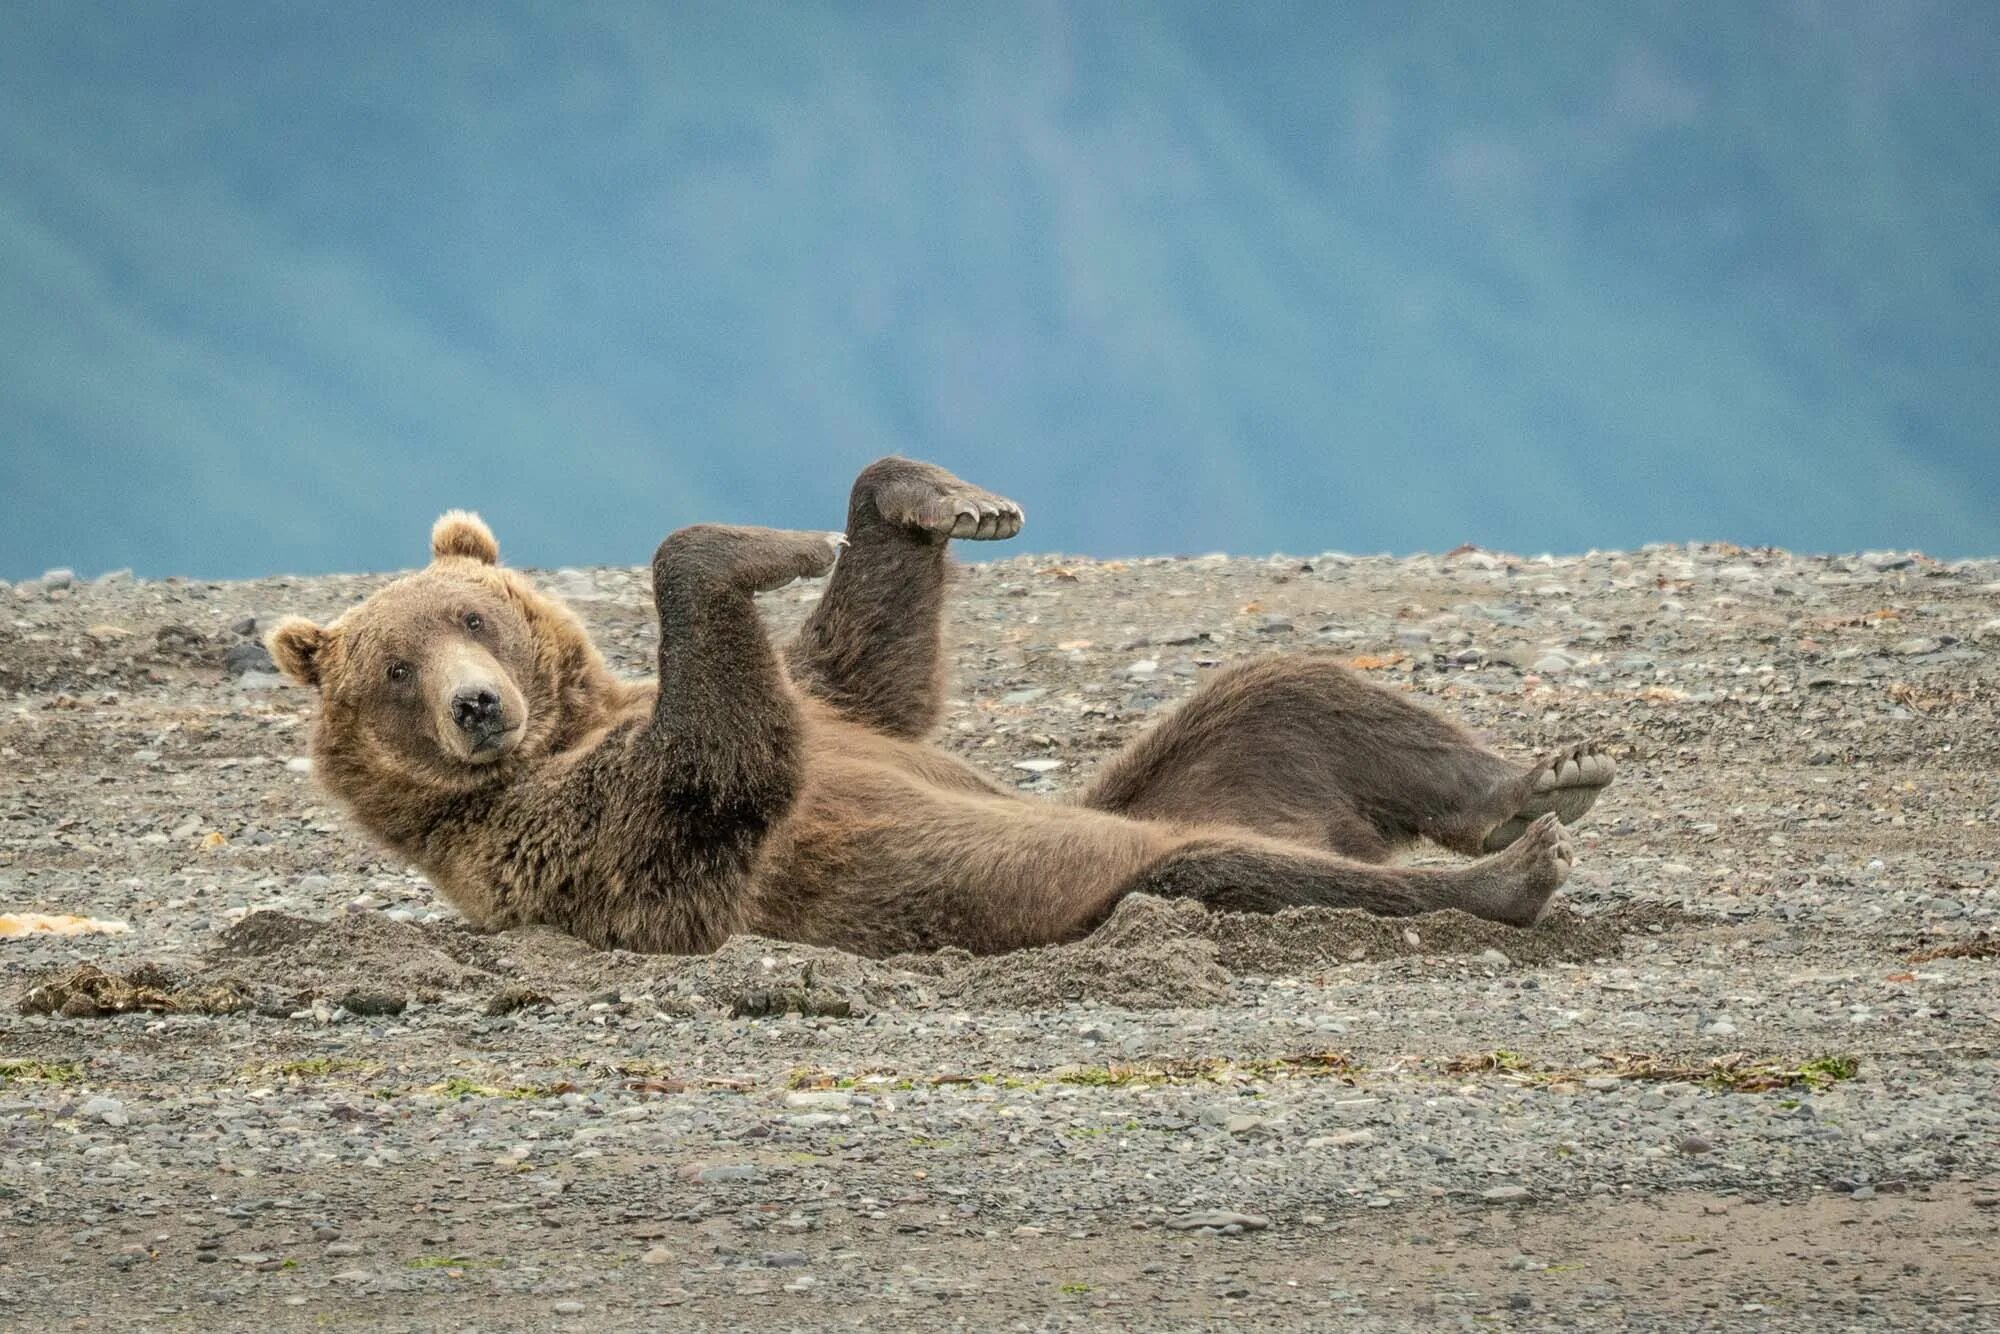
{"x": 447, "y": 680}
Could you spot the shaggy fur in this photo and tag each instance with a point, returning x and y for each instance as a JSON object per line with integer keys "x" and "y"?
{"x": 467, "y": 721}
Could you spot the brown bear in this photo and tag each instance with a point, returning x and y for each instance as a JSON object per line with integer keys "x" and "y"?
{"x": 468, "y": 722}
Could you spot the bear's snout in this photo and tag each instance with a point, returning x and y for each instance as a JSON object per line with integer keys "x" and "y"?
{"x": 476, "y": 709}
{"x": 478, "y": 712}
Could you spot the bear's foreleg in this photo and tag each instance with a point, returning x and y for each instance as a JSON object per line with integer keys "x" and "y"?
{"x": 725, "y": 725}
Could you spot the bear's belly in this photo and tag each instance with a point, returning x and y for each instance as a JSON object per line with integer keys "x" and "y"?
{"x": 884, "y": 854}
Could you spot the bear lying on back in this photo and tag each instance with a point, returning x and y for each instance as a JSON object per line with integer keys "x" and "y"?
{"x": 467, "y": 721}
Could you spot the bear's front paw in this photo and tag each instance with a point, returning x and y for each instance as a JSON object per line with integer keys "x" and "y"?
{"x": 750, "y": 559}
{"x": 812, "y": 555}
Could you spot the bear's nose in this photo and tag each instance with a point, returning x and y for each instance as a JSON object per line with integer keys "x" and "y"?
{"x": 475, "y": 708}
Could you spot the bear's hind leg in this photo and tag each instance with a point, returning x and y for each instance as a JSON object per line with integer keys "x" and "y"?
{"x": 873, "y": 648}
{"x": 1265, "y": 876}
{"x": 1300, "y": 748}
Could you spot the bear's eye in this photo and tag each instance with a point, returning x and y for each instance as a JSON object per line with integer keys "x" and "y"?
{"x": 474, "y": 621}
{"x": 399, "y": 672}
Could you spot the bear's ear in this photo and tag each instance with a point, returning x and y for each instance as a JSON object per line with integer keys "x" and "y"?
{"x": 463, "y": 533}
{"x": 295, "y": 646}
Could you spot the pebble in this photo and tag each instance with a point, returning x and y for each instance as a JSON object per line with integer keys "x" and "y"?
{"x": 1504, "y": 1194}
{"x": 250, "y": 656}
{"x": 110, "y": 1111}
{"x": 820, "y": 1100}
{"x": 1220, "y": 1220}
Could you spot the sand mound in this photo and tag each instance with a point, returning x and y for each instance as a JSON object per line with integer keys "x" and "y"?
{"x": 355, "y": 951}
{"x": 1151, "y": 954}
{"x": 1306, "y": 940}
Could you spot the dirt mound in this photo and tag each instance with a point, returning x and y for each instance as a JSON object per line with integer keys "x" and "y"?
{"x": 355, "y": 950}
{"x": 1151, "y": 954}
{"x": 752, "y": 976}
{"x": 1304, "y": 940}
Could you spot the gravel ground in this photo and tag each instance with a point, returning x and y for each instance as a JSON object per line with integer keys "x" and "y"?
{"x": 1746, "y": 1075}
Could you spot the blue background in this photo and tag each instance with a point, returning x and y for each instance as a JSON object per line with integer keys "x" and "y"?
{"x": 280, "y": 282}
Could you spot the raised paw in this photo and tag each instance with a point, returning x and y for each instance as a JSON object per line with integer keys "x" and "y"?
{"x": 1566, "y": 784}
{"x": 753, "y": 559}
{"x": 814, "y": 556}
{"x": 926, "y": 498}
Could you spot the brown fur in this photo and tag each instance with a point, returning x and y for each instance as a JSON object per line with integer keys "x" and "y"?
{"x": 468, "y": 722}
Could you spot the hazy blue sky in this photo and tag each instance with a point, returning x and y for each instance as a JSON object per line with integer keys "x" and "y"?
{"x": 280, "y": 282}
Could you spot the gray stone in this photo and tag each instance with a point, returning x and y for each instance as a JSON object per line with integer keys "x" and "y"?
{"x": 249, "y": 656}
{"x": 110, "y": 1111}
{"x": 1219, "y": 1219}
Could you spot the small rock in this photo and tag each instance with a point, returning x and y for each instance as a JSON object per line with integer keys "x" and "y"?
{"x": 568, "y": 1308}
{"x": 510, "y": 999}
{"x": 1038, "y": 766}
{"x": 721, "y": 1172}
{"x": 1505, "y": 1194}
{"x": 657, "y": 1255}
{"x": 110, "y": 1111}
{"x": 1550, "y": 663}
{"x": 55, "y": 579}
{"x": 820, "y": 1100}
{"x": 1695, "y": 1144}
{"x": 1218, "y": 1219}
{"x": 372, "y": 1003}
{"x": 249, "y": 656}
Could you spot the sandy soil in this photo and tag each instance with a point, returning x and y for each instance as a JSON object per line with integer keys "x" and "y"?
{"x": 1744, "y": 1075}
